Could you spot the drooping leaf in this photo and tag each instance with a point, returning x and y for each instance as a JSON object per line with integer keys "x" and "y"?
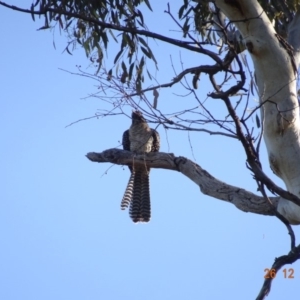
{"x": 87, "y": 48}
{"x": 125, "y": 40}
{"x": 148, "y": 4}
{"x": 67, "y": 49}
{"x": 150, "y": 77}
{"x": 104, "y": 38}
{"x": 113, "y": 36}
{"x": 124, "y": 68}
{"x": 185, "y": 27}
{"x": 181, "y": 10}
{"x": 123, "y": 77}
{"x": 113, "y": 17}
{"x": 130, "y": 71}
{"x": 257, "y": 121}
{"x": 60, "y": 23}
{"x": 43, "y": 28}
{"x": 140, "y": 16}
{"x": 68, "y": 24}
{"x": 118, "y": 55}
{"x": 143, "y": 41}
{"x": 152, "y": 55}
{"x": 145, "y": 51}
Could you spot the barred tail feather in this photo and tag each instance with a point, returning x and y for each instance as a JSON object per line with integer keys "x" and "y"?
{"x": 128, "y": 192}
{"x": 140, "y": 210}
{"x": 145, "y": 199}
{"x": 135, "y": 205}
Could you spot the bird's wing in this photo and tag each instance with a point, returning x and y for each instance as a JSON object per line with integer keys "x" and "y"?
{"x": 126, "y": 141}
{"x": 156, "y": 141}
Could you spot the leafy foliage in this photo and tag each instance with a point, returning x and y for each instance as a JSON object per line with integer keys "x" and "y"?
{"x": 281, "y": 13}
{"x": 85, "y": 21}
{"x": 93, "y": 24}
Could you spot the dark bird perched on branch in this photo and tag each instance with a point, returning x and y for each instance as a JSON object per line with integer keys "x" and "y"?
{"x": 140, "y": 138}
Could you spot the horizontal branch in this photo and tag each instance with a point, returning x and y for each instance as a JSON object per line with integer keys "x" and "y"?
{"x": 242, "y": 199}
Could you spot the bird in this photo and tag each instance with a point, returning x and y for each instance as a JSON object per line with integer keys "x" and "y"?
{"x": 139, "y": 138}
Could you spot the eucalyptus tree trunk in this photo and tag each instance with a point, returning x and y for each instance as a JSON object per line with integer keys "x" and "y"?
{"x": 275, "y": 65}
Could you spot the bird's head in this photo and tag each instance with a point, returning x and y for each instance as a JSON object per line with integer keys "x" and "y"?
{"x": 137, "y": 117}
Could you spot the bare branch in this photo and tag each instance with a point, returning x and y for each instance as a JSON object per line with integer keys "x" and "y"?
{"x": 242, "y": 199}
{"x": 292, "y": 257}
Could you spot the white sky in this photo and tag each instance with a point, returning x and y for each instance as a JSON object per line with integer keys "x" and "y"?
{"x": 63, "y": 235}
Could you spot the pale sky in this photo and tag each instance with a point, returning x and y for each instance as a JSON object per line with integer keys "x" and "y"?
{"x": 63, "y": 235}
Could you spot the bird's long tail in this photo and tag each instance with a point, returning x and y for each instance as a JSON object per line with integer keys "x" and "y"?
{"x": 140, "y": 210}
{"x": 128, "y": 192}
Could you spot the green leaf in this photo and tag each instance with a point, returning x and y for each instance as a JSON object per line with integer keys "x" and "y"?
{"x": 118, "y": 55}
{"x": 145, "y": 51}
{"x": 100, "y": 57}
{"x": 124, "y": 67}
{"x": 148, "y": 4}
{"x": 130, "y": 71}
{"x": 185, "y": 27}
{"x": 123, "y": 77}
{"x": 142, "y": 25}
{"x": 67, "y": 49}
{"x": 257, "y": 121}
{"x": 86, "y": 47}
{"x": 117, "y": 70}
{"x": 68, "y": 24}
{"x": 125, "y": 40}
{"x": 143, "y": 42}
{"x": 60, "y": 23}
{"x": 140, "y": 16}
{"x": 113, "y": 17}
{"x": 181, "y": 10}
{"x": 43, "y": 28}
{"x": 104, "y": 39}
{"x": 142, "y": 62}
{"x": 98, "y": 69}
{"x": 152, "y": 56}
{"x": 112, "y": 34}
{"x": 150, "y": 77}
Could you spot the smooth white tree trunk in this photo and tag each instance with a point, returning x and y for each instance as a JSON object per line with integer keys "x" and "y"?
{"x": 277, "y": 85}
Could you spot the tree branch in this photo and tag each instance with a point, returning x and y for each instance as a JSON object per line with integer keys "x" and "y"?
{"x": 157, "y": 36}
{"x": 242, "y": 199}
{"x": 293, "y": 256}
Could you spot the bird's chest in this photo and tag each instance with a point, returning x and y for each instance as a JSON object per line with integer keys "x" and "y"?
{"x": 140, "y": 138}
